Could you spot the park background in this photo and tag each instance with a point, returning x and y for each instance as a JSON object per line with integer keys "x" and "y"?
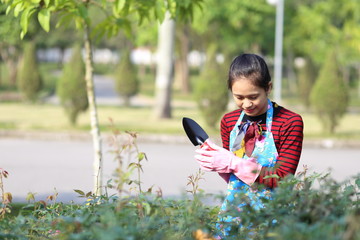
{"x": 320, "y": 64}
{"x": 93, "y": 92}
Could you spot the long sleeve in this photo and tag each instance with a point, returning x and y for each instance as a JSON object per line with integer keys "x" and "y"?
{"x": 289, "y": 139}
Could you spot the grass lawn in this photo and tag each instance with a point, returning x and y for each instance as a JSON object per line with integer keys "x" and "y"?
{"x": 46, "y": 117}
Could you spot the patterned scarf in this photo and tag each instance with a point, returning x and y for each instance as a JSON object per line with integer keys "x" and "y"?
{"x": 246, "y": 139}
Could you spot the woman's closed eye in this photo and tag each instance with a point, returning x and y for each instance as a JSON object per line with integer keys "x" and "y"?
{"x": 252, "y": 97}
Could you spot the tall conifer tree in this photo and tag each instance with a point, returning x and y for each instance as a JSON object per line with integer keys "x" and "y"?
{"x": 126, "y": 80}
{"x": 71, "y": 87}
{"x": 29, "y": 79}
{"x": 330, "y": 95}
{"x": 211, "y": 90}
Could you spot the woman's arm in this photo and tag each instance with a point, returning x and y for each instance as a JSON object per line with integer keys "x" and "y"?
{"x": 225, "y": 136}
{"x": 290, "y": 136}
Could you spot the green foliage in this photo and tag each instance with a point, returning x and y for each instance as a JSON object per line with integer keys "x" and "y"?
{"x": 119, "y": 19}
{"x": 211, "y": 89}
{"x": 333, "y": 24}
{"x": 29, "y": 79}
{"x": 71, "y": 87}
{"x": 126, "y": 80}
{"x": 236, "y": 26}
{"x": 302, "y": 207}
{"x": 10, "y": 30}
{"x": 126, "y": 167}
{"x": 330, "y": 95}
{"x": 142, "y": 217}
{"x": 306, "y": 77}
{"x": 299, "y": 210}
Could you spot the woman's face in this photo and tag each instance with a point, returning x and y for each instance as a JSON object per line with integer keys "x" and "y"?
{"x": 250, "y": 98}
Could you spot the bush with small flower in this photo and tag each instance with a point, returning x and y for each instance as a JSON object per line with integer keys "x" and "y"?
{"x": 297, "y": 211}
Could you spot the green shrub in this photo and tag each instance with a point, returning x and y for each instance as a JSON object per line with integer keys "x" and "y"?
{"x": 330, "y": 95}
{"x": 306, "y": 76}
{"x": 126, "y": 80}
{"x": 211, "y": 90}
{"x": 298, "y": 210}
{"x": 302, "y": 207}
{"x": 29, "y": 79}
{"x": 71, "y": 87}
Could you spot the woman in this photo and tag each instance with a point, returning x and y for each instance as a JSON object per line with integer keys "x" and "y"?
{"x": 259, "y": 139}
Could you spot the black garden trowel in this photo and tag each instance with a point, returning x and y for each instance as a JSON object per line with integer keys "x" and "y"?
{"x": 195, "y": 133}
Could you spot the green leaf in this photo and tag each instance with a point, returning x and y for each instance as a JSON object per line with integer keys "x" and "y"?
{"x": 22, "y": 34}
{"x": 147, "y": 207}
{"x": 349, "y": 190}
{"x": 18, "y": 8}
{"x": 127, "y": 29}
{"x": 30, "y": 196}
{"x": 119, "y": 5}
{"x": 83, "y": 11}
{"x": 141, "y": 156}
{"x": 357, "y": 181}
{"x": 47, "y": 2}
{"x": 160, "y": 11}
{"x": 79, "y": 192}
{"x": 24, "y": 21}
{"x": 78, "y": 23}
{"x": 44, "y": 19}
{"x": 64, "y": 20}
{"x": 272, "y": 176}
{"x": 8, "y": 9}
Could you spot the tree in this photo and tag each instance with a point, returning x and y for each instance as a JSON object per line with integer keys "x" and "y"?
{"x": 307, "y": 73}
{"x": 117, "y": 17}
{"x": 71, "y": 87}
{"x": 165, "y": 67}
{"x": 211, "y": 90}
{"x": 329, "y": 96}
{"x": 29, "y": 79}
{"x": 9, "y": 44}
{"x": 182, "y": 69}
{"x": 236, "y": 26}
{"x": 126, "y": 80}
{"x": 333, "y": 23}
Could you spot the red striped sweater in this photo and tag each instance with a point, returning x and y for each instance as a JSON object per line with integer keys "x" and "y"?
{"x": 287, "y": 129}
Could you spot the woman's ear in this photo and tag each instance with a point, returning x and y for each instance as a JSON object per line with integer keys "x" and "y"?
{"x": 269, "y": 88}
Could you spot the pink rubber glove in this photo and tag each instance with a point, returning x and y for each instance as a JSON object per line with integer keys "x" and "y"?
{"x": 214, "y": 158}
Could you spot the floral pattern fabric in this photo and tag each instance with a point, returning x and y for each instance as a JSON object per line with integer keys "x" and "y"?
{"x": 266, "y": 154}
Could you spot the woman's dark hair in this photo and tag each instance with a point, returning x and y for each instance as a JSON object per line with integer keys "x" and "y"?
{"x": 252, "y": 67}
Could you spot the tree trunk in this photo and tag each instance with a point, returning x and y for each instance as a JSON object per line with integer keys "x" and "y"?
{"x": 182, "y": 65}
{"x": 290, "y": 72}
{"x": 358, "y": 69}
{"x": 165, "y": 66}
{"x": 9, "y": 55}
{"x": 95, "y": 130}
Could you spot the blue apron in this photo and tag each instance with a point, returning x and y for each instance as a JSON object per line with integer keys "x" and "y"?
{"x": 266, "y": 154}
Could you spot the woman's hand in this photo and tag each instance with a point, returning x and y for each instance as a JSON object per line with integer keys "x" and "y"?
{"x": 214, "y": 158}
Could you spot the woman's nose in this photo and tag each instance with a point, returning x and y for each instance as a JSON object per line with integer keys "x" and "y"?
{"x": 247, "y": 103}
